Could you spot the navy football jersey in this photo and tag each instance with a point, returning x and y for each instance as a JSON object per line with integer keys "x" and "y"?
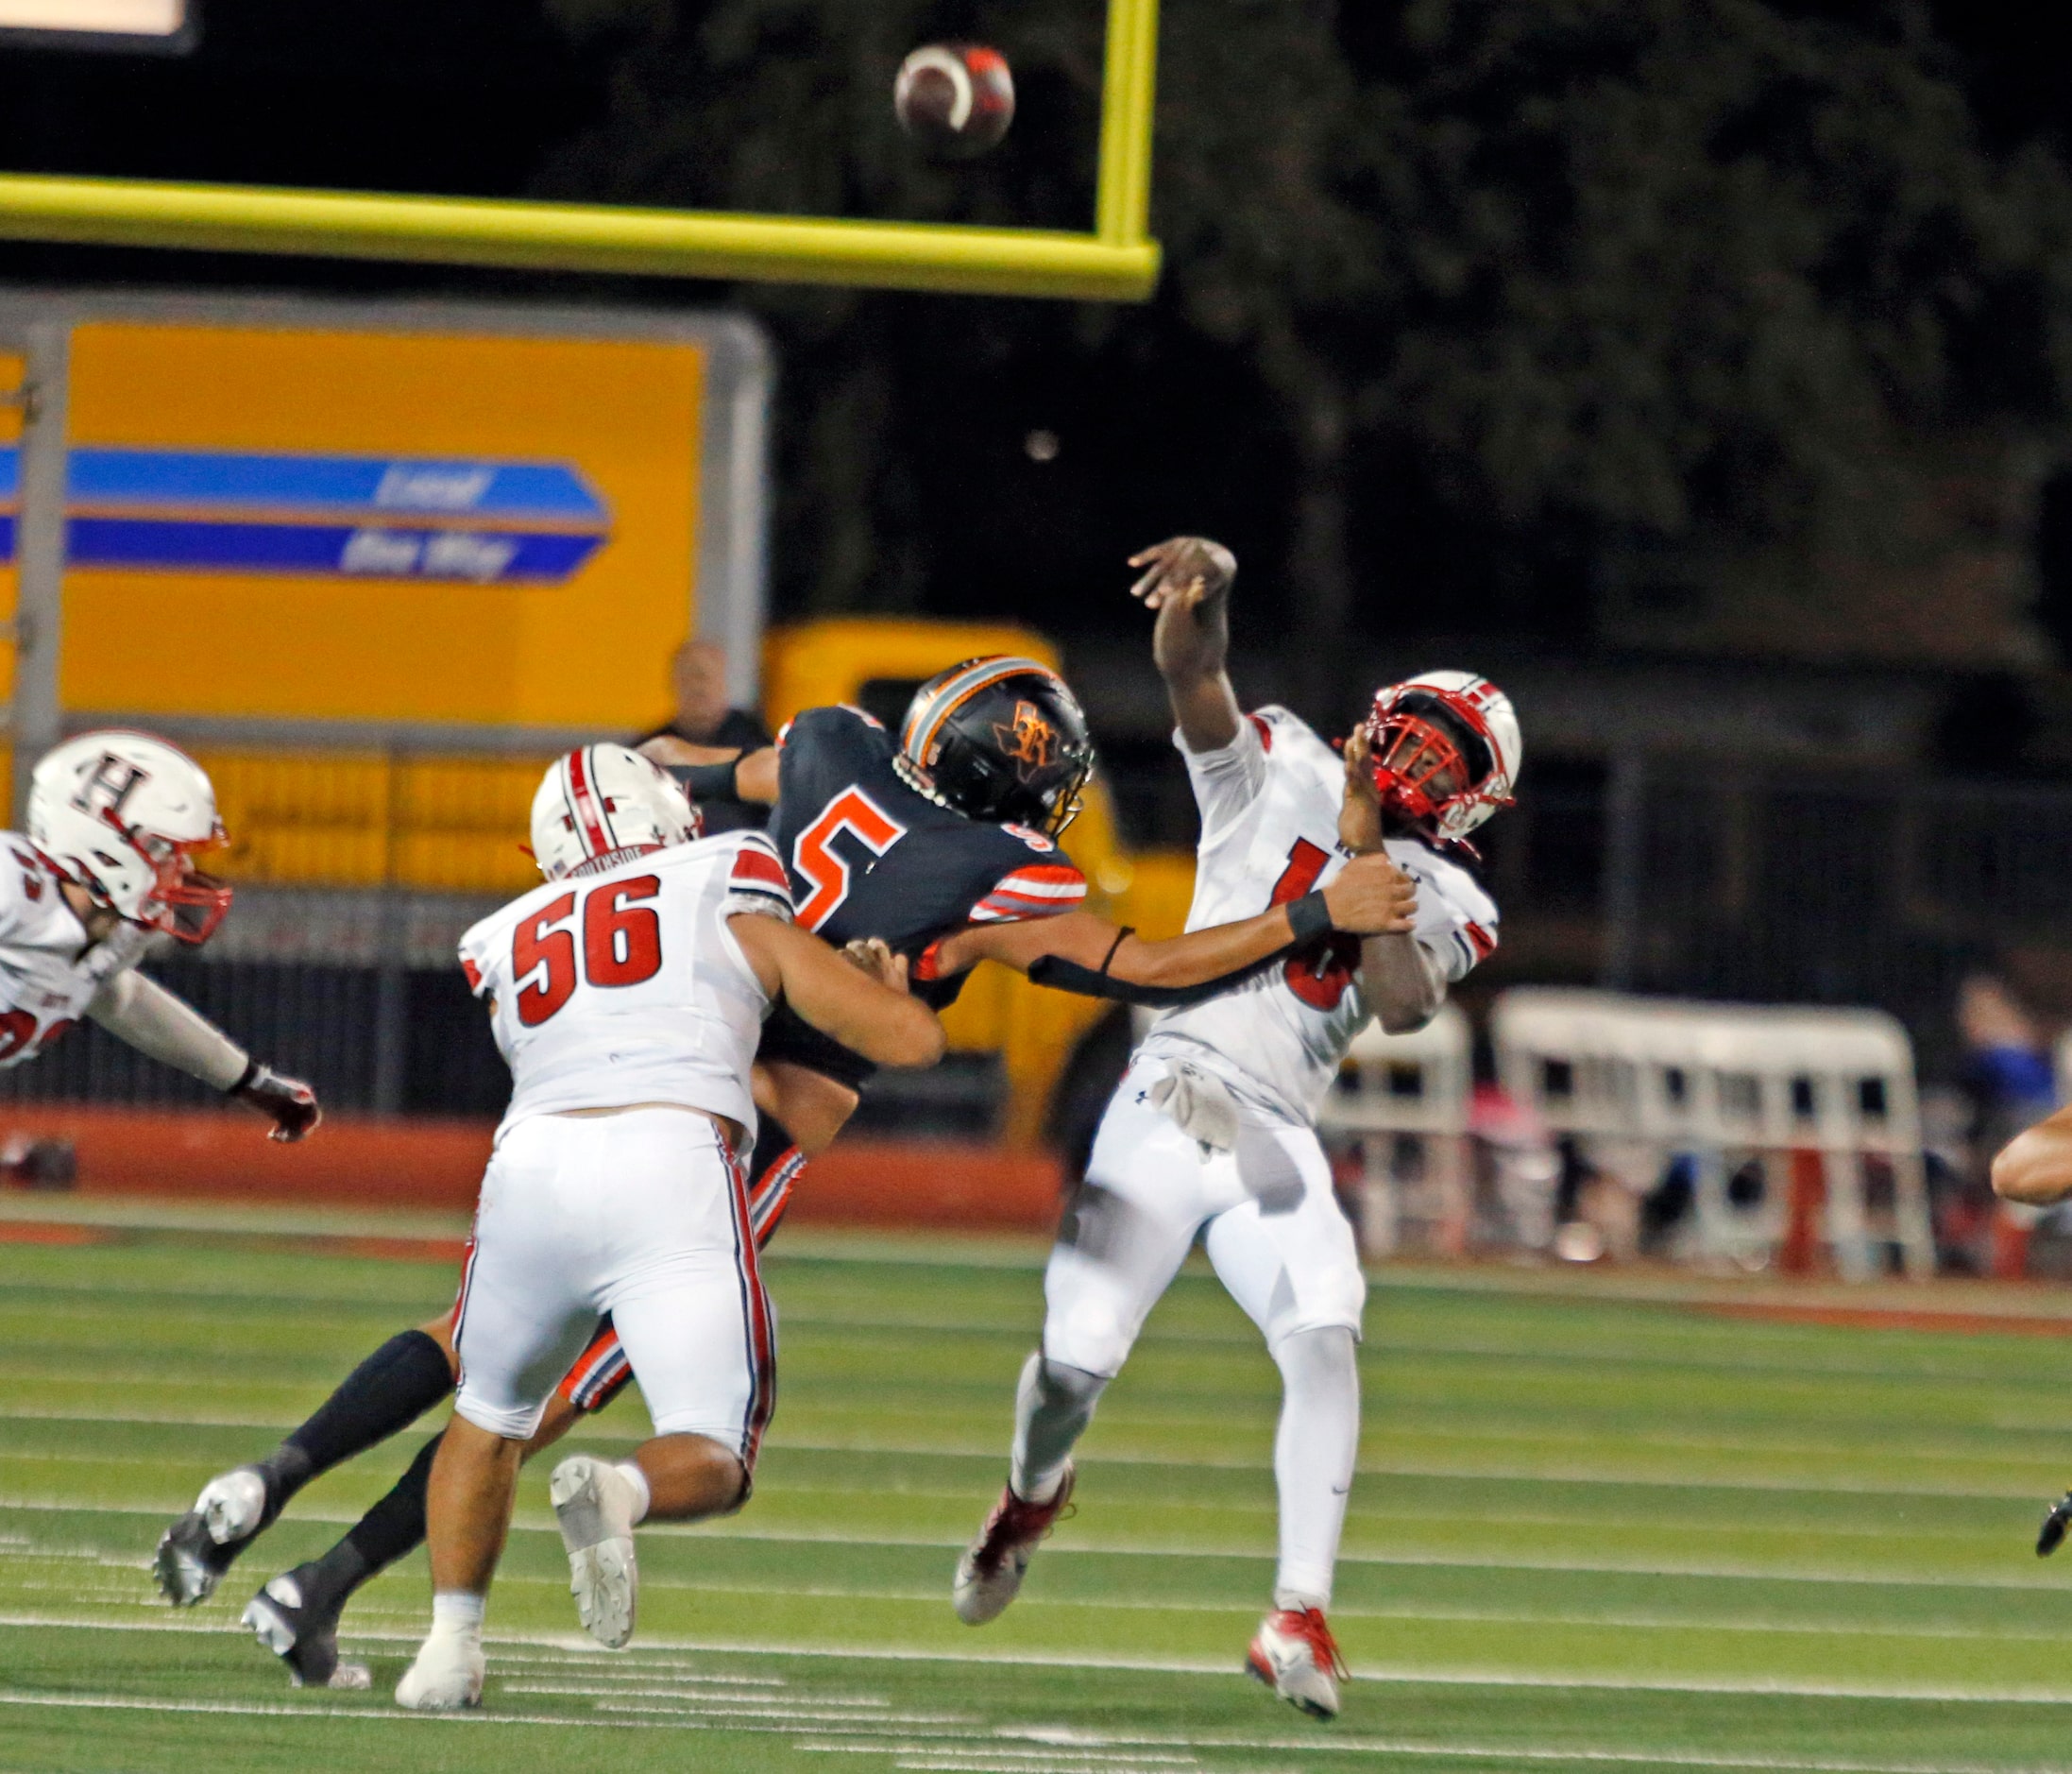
{"x": 869, "y": 856}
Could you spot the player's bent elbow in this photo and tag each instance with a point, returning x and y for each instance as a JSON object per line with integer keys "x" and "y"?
{"x": 1406, "y": 1018}
{"x": 911, "y": 1036}
{"x": 923, "y": 1040}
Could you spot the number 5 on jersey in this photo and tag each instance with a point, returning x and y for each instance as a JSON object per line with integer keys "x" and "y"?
{"x": 824, "y": 869}
{"x": 621, "y": 946}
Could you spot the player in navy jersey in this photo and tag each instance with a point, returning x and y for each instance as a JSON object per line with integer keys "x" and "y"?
{"x": 944, "y": 846}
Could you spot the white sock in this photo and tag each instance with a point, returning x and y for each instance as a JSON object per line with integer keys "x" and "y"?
{"x": 643, "y": 1495}
{"x": 1313, "y": 1460}
{"x": 1052, "y": 1406}
{"x": 457, "y": 1613}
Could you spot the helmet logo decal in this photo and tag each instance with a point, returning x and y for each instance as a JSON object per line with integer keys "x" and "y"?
{"x": 1030, "y": 740}
{"x": 111, "y": 782}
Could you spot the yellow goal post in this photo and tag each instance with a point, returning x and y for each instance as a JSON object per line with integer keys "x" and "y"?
{"x": 1117, "y": 261}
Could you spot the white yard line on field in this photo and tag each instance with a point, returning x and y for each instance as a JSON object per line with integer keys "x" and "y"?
{"x": 911, "y": 1748}
{"x": 2035, "y": 1694}
{"x": 1371, "y": 1465}
{"x": 1085, "y": 1545}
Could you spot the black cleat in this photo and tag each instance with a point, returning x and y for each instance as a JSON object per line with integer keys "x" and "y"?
{"x": 2051, "y": 1534}
{"x": 296, "y": 1618}
{"x": 187, "y": 1564}
{"x": 194, "y": 1552}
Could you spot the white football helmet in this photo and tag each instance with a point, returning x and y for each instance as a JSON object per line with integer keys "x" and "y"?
{"x": 1445, "y": 750}
{"x": 599, "y": 804}
{"x": 120, "y": 816}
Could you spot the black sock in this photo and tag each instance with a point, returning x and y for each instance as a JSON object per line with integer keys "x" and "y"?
{"x": 392, "y": 1528}
{"x": 396, "y": 1524}
{"x": 389, "y": 1390}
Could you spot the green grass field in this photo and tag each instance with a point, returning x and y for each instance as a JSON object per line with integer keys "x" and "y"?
{"x": 1591, "y": 1528}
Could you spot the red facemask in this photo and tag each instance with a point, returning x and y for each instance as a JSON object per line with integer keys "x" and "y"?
{"x": 1420, "y": 768}
{"x": 185, "y": 904}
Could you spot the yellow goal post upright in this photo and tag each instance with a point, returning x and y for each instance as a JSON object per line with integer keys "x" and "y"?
{"x": 1117, "y": 261}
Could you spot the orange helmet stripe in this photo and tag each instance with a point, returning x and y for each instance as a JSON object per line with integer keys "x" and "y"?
{"x": 925, "y": 722}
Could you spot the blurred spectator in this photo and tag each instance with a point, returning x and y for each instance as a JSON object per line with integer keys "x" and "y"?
{"x": 2008, "y": 1067}
{"x": 698, "y": 678}
{"x": 697, "y": 674}
{"x": 2007, "y": 1083}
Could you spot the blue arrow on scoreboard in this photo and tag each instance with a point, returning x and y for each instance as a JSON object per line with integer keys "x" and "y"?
{"x": 488, "y": 521}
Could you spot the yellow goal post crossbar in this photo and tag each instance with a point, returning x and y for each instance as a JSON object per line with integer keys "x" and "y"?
{"x": 1117, "y": 261}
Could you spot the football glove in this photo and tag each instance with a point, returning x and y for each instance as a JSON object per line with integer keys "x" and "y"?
{"x": 288, "y": 1102}
{"x": 2051, "y": 1534}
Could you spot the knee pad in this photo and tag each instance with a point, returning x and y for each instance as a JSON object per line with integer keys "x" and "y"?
{"x": 1089, "y": 1336}
{"x": 1333, "y": 1295}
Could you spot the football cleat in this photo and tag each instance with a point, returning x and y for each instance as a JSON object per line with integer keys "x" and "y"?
{"x": 446, "y": 1675}
{"x": 989, "y": 1573}
{"x": 594, "y": 1505}
{"x": 295, "y": 1620}
{"x": 1295, "y": 1655}
{"x": 2050, "y": 1536}
{"x": 194, "y": 1552}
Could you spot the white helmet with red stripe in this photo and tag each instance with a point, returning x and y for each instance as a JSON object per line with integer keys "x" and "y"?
{"x": 1445, "y": 749}
{"x": 599, "y": 804}
{"x": 120, "y": 814}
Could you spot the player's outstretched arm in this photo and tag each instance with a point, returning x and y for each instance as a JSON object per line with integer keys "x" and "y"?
{"x": 718, "y": 773}
{"x": 140, "y": 1011}
{"x": 2035, "y": 1167}
{"x": 867, "y": 1010}
{"x": 1187, "y": 580}
{"x": 1079, "y": 952}
{"x": 1400, "y": 978}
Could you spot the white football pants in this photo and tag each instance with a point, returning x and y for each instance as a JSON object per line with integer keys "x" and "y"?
{"x": 644, "y": 1215}
{"x": 1276, "y": 1236}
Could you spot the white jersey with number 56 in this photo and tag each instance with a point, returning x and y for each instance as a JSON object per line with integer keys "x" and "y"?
{"x": 1269, "y": 805}
{"x": 627, "y": 985}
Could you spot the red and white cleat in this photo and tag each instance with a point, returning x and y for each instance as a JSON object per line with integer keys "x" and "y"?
{"x": 989, "y": 1576}
{"x": 1296, "y": 1656}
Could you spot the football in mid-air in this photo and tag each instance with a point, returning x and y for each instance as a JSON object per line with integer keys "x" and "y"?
{"x": 955, "y": 99}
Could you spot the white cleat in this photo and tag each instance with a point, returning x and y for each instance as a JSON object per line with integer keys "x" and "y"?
{"x": 593, "y": 1502}
{"x": 194, "y": 1552}
{"x": 233, "y": 1505}
{"x": 447, "y": 1676}
{"x": 989, "y": 1573}
{"x": 1295, "y": 1655}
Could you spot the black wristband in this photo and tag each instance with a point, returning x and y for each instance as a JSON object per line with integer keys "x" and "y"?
{"x": 1122, "y": 936}
{"x": 708, "y": 782}
{"x": 1309, "y": 917}
{"x": 252, "y": 1069}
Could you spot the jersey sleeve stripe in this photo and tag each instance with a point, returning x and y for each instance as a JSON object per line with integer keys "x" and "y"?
{"x": 756, "y": 868}
{"x": 1038, "y": 891}
{"x": 1056, "y": 880}
{"x": 1483, "y": 941}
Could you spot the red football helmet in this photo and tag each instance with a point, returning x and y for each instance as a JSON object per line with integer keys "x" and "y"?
{"x": 1445, "y": 750}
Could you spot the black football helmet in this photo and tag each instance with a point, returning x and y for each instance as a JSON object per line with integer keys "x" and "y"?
{"x": 999, "y": 739}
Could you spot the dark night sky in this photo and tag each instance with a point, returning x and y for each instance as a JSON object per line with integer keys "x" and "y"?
{"x": 467, "y": 94}
{"x": 472, "y": 96}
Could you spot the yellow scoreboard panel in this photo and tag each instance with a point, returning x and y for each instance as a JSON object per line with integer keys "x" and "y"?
{"x": 325, "y": 525}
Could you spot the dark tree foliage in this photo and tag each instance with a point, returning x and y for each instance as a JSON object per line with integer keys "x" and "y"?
{"x": 1460, "y": 292}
